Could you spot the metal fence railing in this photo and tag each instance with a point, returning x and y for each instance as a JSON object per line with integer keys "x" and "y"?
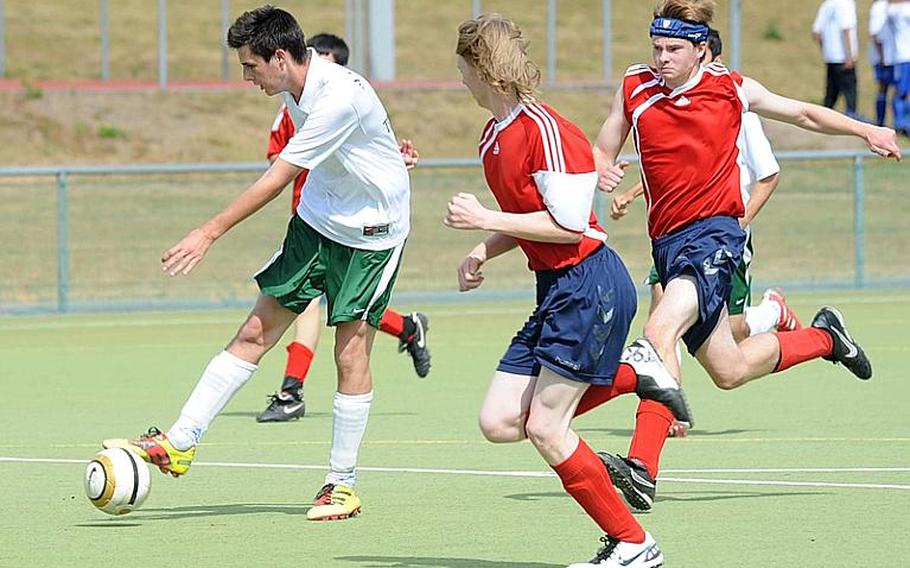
{"x": 86, "y": 240}
{"x": 359, "y": 32}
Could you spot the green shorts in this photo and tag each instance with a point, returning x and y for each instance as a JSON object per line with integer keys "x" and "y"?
{"x": 357, "y": 283}
{"x": 741, "y": 295}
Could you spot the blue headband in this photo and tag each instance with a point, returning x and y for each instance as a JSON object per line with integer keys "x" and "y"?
{"x": 671, "y": 27}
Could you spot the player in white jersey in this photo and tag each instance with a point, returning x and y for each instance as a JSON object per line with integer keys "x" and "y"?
{"x": 345, "y": 242}
{"x": 899, "y": 23}
{"x": 881, "y": 56}
{"x": 834, "y": 30}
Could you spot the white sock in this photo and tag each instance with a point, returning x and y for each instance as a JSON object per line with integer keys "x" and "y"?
{"x": 763, "y": 317}
{"x": 222, "y": 378}
{"x": 350, "y": 413}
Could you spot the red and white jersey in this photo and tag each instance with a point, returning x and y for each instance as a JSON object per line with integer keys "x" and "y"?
{"x": 536, "y": 160}
{"x": 687, "y": 141}
{"x": 282, "y": 130}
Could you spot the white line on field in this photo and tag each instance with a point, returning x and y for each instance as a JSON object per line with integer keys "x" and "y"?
{"x": 692, "y": 439}
{"x": 542, "y": 474}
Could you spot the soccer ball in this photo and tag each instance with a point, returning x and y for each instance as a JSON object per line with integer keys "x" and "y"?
{"x": 116, "y": 481}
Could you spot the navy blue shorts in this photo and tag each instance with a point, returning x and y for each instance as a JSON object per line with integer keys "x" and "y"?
{"x": 708, "y": 250}
{"x": 579, "y": 327}
{"x": 884, "y": 74}
{"x": 902, "y": 78}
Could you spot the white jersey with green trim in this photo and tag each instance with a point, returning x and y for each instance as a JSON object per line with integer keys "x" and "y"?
{"x": 757, "y": 156}
{"x": 358, "y": 191}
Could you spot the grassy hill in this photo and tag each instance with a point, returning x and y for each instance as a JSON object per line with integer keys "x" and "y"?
{"x": 59, "y": 40}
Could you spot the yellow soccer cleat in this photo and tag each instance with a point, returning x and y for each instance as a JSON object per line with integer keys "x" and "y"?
{"x": 155, "y": 448}
{"x": 333, "y": 503}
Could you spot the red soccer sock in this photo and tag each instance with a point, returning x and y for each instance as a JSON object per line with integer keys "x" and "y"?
{"x": 299, "y": 359}
{"x": 586, "y": 479}
{"x": 624, "y": 382}
{"x": 802, "y": 345}
{"x": 392, "y": 323}
{"x": 652, "y": 424}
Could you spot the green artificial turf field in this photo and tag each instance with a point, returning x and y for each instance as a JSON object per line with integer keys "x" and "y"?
{"x": 811, "y": 468}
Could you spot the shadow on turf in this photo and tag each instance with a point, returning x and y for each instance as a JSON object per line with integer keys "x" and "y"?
{"x": 625, "y": 433}
{"x": 196, "y": 511}
{"x": 425, "y": 561}
{"x": 243, "y": 414}
{"x": 676, "y": 496}
{"x": 107, "y": 525}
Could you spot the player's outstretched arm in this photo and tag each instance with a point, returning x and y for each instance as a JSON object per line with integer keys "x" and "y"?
{"x": 465, "y": 212}
{"x": 608, "y": 145}
{"x": 186, "y": 254}
{"x": 469, "y": 274}
{"x": 816, "y": 118}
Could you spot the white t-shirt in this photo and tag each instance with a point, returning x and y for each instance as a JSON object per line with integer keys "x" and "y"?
{"x": 358, "y": 191}
{"x": 899, "y": 22}
{"x": 757, "y": 156}
{"x": 880, "y": 28}
{"x": 833, "y": 17}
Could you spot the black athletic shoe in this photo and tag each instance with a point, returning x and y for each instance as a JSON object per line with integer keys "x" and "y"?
{"x": 655, "y": 381}
{"x": 416, "y": 343}
{"x": 284, "y": 406}
{"x": 632, "y": 478}
{"x": 847, "y": 351}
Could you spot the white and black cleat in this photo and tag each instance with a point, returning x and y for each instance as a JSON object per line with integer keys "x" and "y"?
{"x": 621, "y": 554}
{"x": 846, "y": 351}
{"x": 632, "y": 479}
{"x": 655, "y": 381}
{"x": 284, "y": 406}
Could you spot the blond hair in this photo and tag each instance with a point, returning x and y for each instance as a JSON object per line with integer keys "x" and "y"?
{"x": 699, "y": 11}
{"x": 496, "y": 48}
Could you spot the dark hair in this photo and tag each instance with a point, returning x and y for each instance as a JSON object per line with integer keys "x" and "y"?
{"x": 325, "y": 44}
{"x": 714, "y": 43}
{"x": 266, "y": 30}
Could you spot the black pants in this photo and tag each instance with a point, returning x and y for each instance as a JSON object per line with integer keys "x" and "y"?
{"x": 839, "y": 81}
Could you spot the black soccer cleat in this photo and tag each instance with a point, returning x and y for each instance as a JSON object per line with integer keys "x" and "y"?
{"x": 846, "y": 351}
{"x": 632, "y": 479}
{"x": 416, "y": 342}
{"x": 655, "y": 381}
{"x": 284, "y": 406}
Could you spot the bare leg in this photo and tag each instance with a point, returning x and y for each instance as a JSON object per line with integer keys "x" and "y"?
{"x": 504, "y": 411}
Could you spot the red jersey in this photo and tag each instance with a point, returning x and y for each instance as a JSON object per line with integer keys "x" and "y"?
{"x": 687, "y": 140}
{"x": 536, "y": 160}
{"x": 282, "y": 130}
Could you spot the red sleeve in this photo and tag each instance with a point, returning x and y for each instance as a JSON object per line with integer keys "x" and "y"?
{"x": 282, "y": 131}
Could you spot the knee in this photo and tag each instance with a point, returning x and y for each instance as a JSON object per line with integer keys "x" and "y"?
{"x": 501, "y": 429}
{"x": 251, "y": 332}
{"x": 728, "y": 379}
{"x": 542, "y": 434}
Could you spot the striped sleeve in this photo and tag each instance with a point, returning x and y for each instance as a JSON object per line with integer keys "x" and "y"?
{"x": 567, "y": 194}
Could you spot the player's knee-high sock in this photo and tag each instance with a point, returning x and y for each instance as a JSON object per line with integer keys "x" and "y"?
{"x": 897, "y": 108}
{"x": 299, "y": 359}
{"x": 652, "y": 424}
{"x": 350, "y": 413}
{"x": 624, "y": 382}
{"x": 802, "y": 345}
{"x": 394, "y": 323}
{"x": 223, "y": 377}
{"x": 881, "y": 107}
{"x": 763, "y": 317}
{"x": 586, "y": 479}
